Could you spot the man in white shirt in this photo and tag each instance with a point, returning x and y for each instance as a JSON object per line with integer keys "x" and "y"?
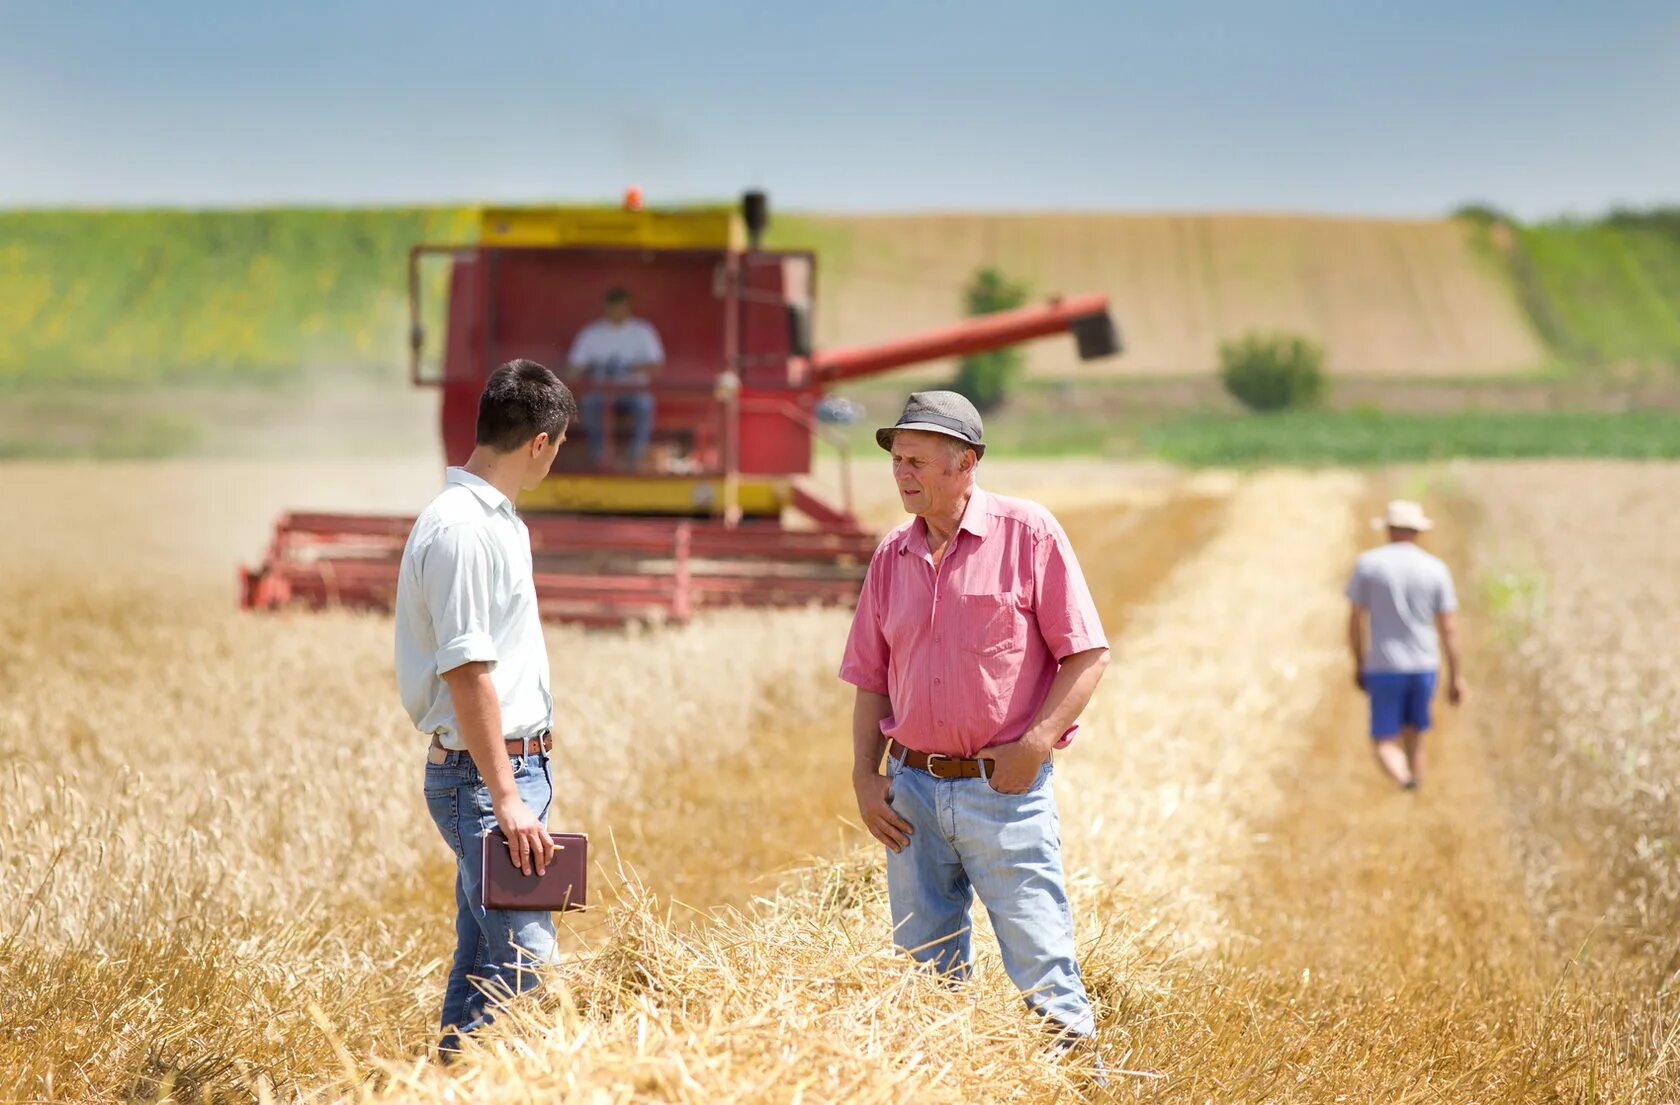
{"x": 622, "y": 352}
{"x": 472, "y": 670}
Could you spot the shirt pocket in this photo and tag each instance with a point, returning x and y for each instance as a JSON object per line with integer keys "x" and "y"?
{"x": 989, "y": 625}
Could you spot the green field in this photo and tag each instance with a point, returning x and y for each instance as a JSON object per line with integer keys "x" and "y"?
{"x": 1603, "y": 293}
{"x": 1360, "y": 438}
{"x": 166, "y": 297}
{"x": 1185, "y": 422}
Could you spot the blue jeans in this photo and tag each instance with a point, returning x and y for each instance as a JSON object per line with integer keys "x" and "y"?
{"x": 970, "y": 839}
{"x": 637, "y": 404}
{"x": 494, "y": 948}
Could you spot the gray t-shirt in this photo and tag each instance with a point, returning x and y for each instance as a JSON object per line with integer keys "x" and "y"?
{"x": 1402, "y": 588}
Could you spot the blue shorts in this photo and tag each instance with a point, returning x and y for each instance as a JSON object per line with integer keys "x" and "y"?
{"x": 1399, "y": 700}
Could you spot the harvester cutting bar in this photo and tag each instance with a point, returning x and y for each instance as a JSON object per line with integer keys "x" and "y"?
{"x": 711, "y": 538}
{"x": 371, "y": 585}
{"x": 582, "y": 533}
{"x": 600, "y": 571}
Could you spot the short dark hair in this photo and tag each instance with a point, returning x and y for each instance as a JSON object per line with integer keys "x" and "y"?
{"x": 617, "y": 295}
{"x": 522, "y": 399}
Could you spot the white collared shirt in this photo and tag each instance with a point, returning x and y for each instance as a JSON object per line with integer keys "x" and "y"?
{"x": 465, "y": 594}
{"x": 608, "y": 350}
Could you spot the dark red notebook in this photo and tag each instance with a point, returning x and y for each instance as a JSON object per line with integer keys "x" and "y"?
{"x": 565, "y": 885}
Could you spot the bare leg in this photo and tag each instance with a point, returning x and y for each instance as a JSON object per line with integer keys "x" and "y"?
{"x": 1412, "y": 740}
{"x": 1391, "y": 757}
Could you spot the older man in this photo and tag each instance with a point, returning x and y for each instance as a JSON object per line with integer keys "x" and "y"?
{"x": 1403, "y": 599}
{"x": 974, "y": 648}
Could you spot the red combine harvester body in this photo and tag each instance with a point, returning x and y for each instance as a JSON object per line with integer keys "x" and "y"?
{"x": 721, "y": 511}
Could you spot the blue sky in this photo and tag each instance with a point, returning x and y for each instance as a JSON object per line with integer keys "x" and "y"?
{"x": 1387, "y": 108}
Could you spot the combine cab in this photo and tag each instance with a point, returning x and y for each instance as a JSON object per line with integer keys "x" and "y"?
{"x": 721, "y": 511}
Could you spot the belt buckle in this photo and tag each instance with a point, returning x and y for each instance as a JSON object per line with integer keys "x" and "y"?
{"x": 932, "y": 756}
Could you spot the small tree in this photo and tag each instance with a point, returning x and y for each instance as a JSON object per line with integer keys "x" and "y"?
{"x": 985, "y": 377}
{"x": 1272, "y": 372}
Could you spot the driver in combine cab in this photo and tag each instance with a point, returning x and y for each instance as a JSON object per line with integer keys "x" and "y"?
{"x": 622, "y": 352}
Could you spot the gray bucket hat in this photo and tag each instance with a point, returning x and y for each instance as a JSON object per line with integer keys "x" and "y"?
{"x": 937, "y": 412}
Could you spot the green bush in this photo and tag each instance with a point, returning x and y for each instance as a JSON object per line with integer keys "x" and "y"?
{"x": 1482, "y": 214}
{"x": 985, "y": 377}
{"x": 1273, "y": 372}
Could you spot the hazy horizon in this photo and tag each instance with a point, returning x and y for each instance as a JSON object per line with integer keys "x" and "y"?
{"x": 1542, "y": 109}
{"x": 857, "y": 213}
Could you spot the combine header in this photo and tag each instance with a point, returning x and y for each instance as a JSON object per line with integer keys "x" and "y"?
{"x": 721, "y": 511}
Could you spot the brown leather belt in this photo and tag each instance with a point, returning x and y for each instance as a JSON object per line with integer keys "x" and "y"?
{"x": 939, "y": 765}
{"x": 437, "y": 753}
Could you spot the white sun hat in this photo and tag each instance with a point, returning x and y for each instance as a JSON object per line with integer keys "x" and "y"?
{"x": 1404, "y": 514}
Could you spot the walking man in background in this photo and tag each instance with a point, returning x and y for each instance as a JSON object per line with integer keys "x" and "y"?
{"x": 472, "y": 669}
{"x": 622, "y": 352}
{"x": 974, "y": 649}
{"x": 1403, "y": 601}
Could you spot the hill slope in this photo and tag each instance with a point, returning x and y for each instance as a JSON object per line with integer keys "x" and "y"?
{"x": 278, "y": 294}
{"x": 1605, "y": 292}
{"x": 1387, "y": 297}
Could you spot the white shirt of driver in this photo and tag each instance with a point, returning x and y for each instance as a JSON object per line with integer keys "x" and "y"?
{"x": 608, "y": 351}
{"x": 465, "y": 594}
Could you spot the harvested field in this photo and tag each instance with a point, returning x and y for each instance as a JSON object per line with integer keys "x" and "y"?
{"x": 1578, "y": 570}
{"x": 1261, "y": 919}
{"x": 1386, "y": 297}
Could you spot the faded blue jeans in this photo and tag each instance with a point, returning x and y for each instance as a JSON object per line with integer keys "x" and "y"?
{"x": 969, "y": 839}
{"x": 596, "y": 425}
{"x": 494, "y": 948}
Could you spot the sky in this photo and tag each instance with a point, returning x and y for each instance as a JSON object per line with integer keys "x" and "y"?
{"x": 1390, "y": 108}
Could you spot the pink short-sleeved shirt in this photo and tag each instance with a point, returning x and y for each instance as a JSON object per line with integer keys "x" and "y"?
{"x": 966, "y": 652}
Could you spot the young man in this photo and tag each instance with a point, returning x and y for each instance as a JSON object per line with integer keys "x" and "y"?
{"x": 974, "y": 649}
{"x": 473, "y": 673}
{"x": 623, "y": 352}
{"x": 1407, "y": 597}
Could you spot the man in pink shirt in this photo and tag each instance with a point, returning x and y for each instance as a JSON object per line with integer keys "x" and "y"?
{"x": 974, "y": 649}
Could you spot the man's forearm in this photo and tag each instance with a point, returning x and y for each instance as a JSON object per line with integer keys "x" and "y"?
{"x": 1449, "y": 645}
{"x": 1356, "y": 640}
{"x": 868, "y": 711}
{"x": 1070, "y": 692}
{"x": 479, "y": 715}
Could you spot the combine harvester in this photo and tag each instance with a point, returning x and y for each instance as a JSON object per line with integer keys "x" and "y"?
{"x": 723, "y": 512}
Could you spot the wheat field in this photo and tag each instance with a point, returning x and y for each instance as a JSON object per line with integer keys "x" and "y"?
{"x": 220, "y": 882}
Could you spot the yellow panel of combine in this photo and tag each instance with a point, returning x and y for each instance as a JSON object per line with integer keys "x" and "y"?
{"x": 758, "y": 496}
{"x": 691, "y": 228}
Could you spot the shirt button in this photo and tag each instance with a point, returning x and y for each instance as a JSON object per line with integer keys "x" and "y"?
{"x": 942, "y": 725}
{"x": 936, "y": 682}
{"x": 936, "y": 640}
